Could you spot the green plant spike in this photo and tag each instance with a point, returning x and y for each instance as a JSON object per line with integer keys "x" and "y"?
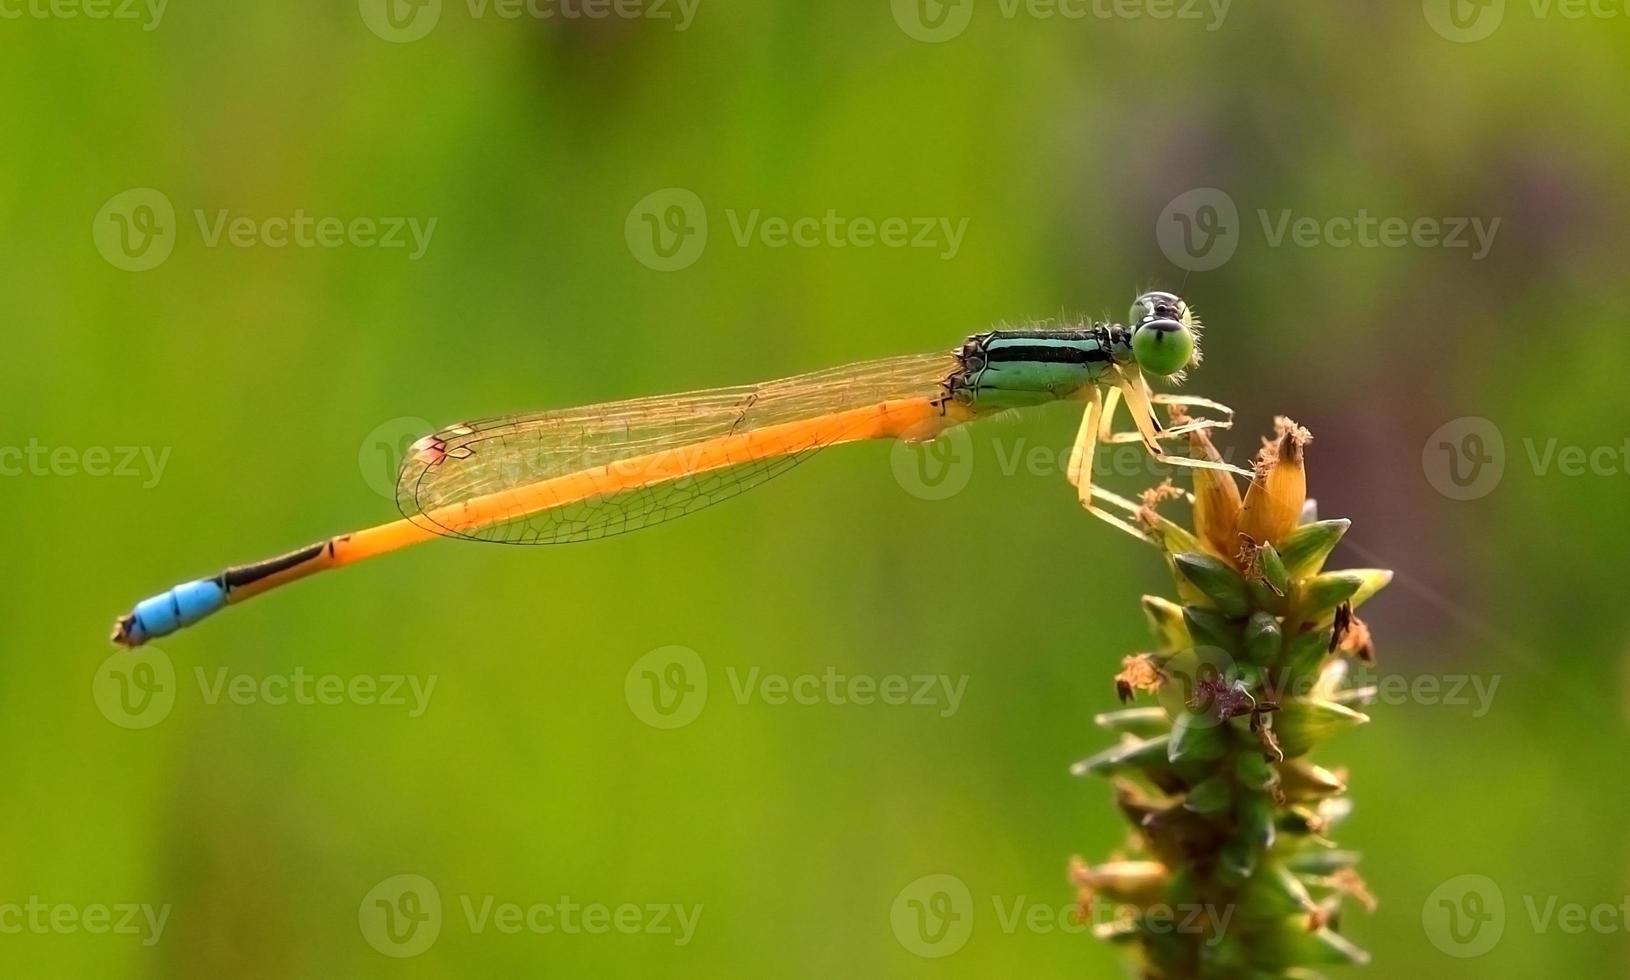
{"x": 1215, "y": 771}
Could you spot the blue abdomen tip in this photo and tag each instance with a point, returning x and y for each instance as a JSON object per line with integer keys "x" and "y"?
{"x": 181, "y": 606}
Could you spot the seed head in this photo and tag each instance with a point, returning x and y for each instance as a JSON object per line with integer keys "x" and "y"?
{"x": 1273, "y": 504}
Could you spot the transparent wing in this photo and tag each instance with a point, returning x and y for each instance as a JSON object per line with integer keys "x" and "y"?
{"x": 583, "y": 473}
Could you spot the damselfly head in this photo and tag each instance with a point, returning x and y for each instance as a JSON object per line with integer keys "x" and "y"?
{"x": 1165, "y": 334}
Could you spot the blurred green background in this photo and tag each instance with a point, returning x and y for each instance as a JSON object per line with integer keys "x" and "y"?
{"x": 267, "y": 393}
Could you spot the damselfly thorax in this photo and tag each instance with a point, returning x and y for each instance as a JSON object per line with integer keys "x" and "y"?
{"x": 1019, "y": 368}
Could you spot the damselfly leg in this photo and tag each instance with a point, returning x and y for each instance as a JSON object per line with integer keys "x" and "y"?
{"x": 1097, "y": 426}
{"x": 1138, "y": 402}
{"x": 1079, "y": 472}
{"x": 1112, "y": 399}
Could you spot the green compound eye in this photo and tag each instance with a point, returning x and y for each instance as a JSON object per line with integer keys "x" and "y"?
{"x": 1163, "y": 347}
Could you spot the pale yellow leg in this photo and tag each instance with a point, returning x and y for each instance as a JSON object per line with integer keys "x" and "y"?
{"x": 1192, "y": 401}
{"x": 1079, "y": 471}
{"x": 1106, "y": 432}
{"x": 1136, "y": 392}
{"x": 1106, "y": 418}
{"x": 1121, "y": 438}
{"x": 1116, "y": 500}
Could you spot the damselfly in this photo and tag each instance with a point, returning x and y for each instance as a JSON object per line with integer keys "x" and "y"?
{"x": 577, "y": 474}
